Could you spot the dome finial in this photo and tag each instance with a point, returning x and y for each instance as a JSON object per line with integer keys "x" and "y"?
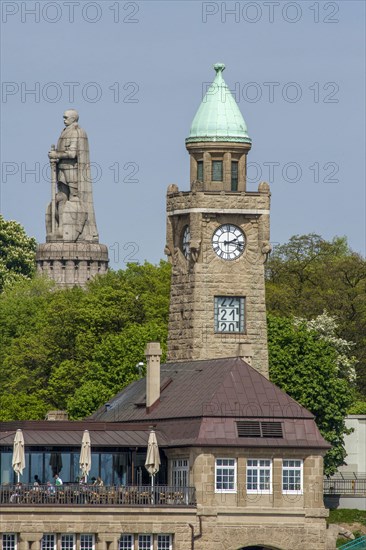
{"x": 219, "y": 67}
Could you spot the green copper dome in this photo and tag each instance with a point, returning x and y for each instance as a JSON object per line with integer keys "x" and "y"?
{"x": 218, "y": 117}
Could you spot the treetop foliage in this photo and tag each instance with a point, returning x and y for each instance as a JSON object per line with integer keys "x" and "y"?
{"x": 55, "y": 345}
{"x": 17, "y": 253}
{"x": 304, "y": 364}
{"x": 309, "y": 275}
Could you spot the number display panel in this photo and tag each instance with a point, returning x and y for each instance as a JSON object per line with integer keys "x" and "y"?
{"x": 229, "y": 314}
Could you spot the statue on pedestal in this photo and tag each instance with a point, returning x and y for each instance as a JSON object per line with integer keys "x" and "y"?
{"x": 72, "y": 254}
{"x": 70, "y": 215}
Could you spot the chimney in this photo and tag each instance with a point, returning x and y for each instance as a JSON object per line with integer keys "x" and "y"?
{"x": 57, "y": 415}
{"x": 246, "y": 353}
{"x": 153, "y": 353}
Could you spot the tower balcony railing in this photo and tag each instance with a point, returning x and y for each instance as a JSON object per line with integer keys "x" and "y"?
{"x": 90, "y": 495}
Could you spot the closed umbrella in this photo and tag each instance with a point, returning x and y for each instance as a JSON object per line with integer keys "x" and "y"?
{"x": 18, "y": 461}
{"x": 55, "y": 462}
{"x": 85, "y": 454}
{"x": 152, "y": 462}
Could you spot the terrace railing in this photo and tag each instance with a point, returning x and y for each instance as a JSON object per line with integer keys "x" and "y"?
{"x": 355, "y": 487}
{"x": 90, "y": 495}
{"x": 357, "y": 544}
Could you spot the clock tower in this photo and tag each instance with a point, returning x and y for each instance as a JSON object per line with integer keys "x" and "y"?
{"x": 218, "y": 242}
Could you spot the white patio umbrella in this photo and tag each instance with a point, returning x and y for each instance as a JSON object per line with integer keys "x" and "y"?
{"x": 18, "y": 461}
{"x": 85, "y": 455}
{"x": 152, "y": 462}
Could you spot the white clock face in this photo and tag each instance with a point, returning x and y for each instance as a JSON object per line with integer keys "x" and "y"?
{"x": 185, "y": 241}
{"x": 228, "y": 241}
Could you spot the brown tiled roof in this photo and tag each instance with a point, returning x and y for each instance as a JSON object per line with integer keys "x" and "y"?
{"x": 214, "y": 388}
{"x": 215, "y": 432}
{"x": 200, "y": 406}
{"x": 205, "y": 399}
{"x": 69, "y": 433}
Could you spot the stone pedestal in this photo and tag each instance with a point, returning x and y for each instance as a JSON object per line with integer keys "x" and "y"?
{"x": 70, "y": 264}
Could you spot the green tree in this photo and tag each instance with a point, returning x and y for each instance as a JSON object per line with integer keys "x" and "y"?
{"x": 17, "y": 253}
{"x": 76, "y": 348}
{"x": 55, "y": 344}
{"x": 305, "y": 365}
{"x": 326, "y": 327}
{"x": 308, "y": 275}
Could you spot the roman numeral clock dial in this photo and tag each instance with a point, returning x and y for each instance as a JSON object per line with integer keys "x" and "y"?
{"x": 228, "y": 241}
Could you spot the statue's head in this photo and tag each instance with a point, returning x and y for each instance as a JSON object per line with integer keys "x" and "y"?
{"x": 70, "y": 116}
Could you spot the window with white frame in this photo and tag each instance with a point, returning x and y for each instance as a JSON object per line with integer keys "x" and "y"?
{"x": 67, "y": 542}
{"x": 48, "y": 542}
{"x": 87, "y": 542}
{"x": 180, "y": 472}
{"x": 145, "y": 542}
{"x": 9, "y": 541}
{"x": 126, "y": 542}
{"x": 225, "y": 475}
{"x": 164, "y": 542}
{"x": 292, "y": 472}
{"x": 259, "y": 476}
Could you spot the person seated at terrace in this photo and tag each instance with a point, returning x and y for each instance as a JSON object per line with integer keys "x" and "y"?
{"x": 99, "y": 482}
{"x": 37, "y": 481}
{"x": 15, "y": 497}
{"x": 50, "y": 488}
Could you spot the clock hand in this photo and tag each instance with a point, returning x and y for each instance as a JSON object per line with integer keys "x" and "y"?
{"x": 230, "y": 242}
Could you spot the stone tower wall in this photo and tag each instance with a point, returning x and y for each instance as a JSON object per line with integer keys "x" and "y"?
{"x": 197, "y": 280}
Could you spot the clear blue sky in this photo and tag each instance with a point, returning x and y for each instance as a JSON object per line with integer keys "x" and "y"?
{"x": 139, "y": 70}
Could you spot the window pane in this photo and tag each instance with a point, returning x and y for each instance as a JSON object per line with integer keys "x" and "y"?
{"x": 36, "y": 469}
{"x": 120, "y": 468}
{"x": 292, "y": 475}
{"x": 48, "y": 542}
{"x": 145, "y": 542}
{"x": 259, "y": 475}
{"x": 180, "y": 472}
{"x": 67, "y": 542}
{"x": 6, "y": 473}
{"x": 225, "y": 474}
{"x": 86, "y": 542}
{"x": 234, "y": 176}
{"x": 9, "y": 541}
{"x": 106, "y": 468}
{"x": 200, "y": 170}
{"x": 126, "y": 542}
{"x": 217, "y": 170}
{"x": 164, "y": 542}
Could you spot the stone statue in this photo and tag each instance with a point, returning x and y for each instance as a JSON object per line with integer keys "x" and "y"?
{"x": 70, "y": 215}
{"x": 72, "y": 254}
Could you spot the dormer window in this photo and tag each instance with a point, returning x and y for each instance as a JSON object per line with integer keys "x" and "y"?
{"x": 217, "y": 172}
{"x": 200, "y": 170}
